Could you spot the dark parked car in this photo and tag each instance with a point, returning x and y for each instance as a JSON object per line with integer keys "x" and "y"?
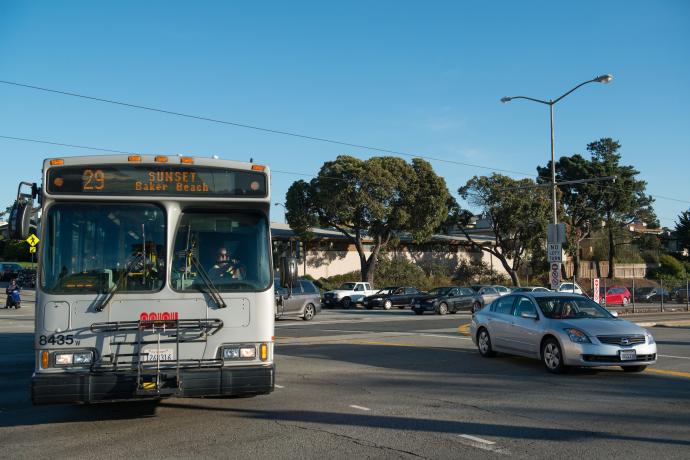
{"x": 680, "y": 294}
{"x": 9, "y": 270}
{"x": 651, "y": 294}
{"x": 394, "y": 296}
{"x": 448, "y": 299}
{"x": 304, "y": 301}
{"x": 530, "y": 289}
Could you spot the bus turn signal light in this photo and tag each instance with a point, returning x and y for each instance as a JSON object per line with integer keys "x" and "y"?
{"x": 57, "y": 162}
{"x": 44, "y": 360}
{"x": 263, "y": 352}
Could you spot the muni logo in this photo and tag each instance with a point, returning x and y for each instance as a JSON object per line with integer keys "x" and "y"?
{"x": 162, "y": 316}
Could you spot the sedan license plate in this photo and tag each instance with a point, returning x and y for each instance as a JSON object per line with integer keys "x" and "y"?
{"x": 164, "y": 354}
{"x": 628, "y": 355}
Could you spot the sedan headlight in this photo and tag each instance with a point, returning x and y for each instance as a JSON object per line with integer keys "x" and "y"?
{"x": 81, "y": 358}
{"x": 577, "y": 335}
{"x": 650, "y": 338}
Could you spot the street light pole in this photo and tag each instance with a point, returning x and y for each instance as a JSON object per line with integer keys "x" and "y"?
{"x": 553, "y": 167}
{"x": 551, "y": 102}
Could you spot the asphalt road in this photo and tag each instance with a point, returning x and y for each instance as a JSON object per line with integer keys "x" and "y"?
{"x": 359, "y": 384}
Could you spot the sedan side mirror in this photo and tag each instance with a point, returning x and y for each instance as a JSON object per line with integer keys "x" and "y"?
{"x": 614, "y": 314}
{"x": 529, "y": 315}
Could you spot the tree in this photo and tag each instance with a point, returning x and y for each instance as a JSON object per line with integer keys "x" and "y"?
{"x": 578, "y": 210}
{"x": 518, "y": 211}
{"x": 683, "y": 229}
{"x": 620, "y": 203}
{"x": 378, "y": 198}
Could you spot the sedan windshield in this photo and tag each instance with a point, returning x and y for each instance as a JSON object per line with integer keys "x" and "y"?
{"x": 230, "y": 250}
{"x": 571, "y": 308}
{"x": 97, "y": 249}
{"x": 439, "y": 291}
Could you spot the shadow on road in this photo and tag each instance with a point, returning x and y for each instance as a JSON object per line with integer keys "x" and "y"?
{"x": 429, "y": 425}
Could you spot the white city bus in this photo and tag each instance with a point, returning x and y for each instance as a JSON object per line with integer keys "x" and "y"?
{"x": 155, "y": 278}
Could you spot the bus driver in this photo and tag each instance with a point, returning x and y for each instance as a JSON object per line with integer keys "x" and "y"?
{"x": 227, "y": 267}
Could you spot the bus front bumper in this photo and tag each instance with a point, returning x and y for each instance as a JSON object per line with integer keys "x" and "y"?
{"x": 87, "y": 387}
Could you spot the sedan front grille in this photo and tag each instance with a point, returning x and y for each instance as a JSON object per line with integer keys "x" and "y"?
{"x": 623, "y": 340}
{"x": 615, "y": 358}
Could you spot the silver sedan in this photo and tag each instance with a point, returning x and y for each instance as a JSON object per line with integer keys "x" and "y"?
{"x": 561, "y": 330}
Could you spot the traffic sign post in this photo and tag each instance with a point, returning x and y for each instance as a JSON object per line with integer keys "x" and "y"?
{"x": 555, "y": 275}
{"x": 554, "y": 252}
{"x": 595, "y": 288}
{"x": 33, "y": 241}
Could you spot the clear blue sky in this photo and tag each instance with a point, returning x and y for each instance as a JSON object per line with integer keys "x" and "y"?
{"x": 418, "y": 77}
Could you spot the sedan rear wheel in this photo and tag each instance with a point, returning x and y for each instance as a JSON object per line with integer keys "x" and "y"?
{"x": 387, "y": 304}
{"x": 484, "y": 344}
{"x": 552, "y": 357}
{"x": 347, "y": 302}
{"x": 442, "y": 309}
{"x": 309, "y": 312}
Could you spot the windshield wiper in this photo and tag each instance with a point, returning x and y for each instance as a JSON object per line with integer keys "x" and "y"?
{"x": 212, "y": 291}
{"x": 104, "y": 301}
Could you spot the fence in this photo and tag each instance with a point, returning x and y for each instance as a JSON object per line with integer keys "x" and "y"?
{"x": 641, "y": 295}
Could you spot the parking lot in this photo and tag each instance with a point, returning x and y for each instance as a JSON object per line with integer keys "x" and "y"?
{"x": 384, "y": 384}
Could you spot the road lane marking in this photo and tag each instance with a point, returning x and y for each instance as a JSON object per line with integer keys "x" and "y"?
{"x": 445, "y": 336}
{"x": 279, "y": 386}
{"x": 464, "y": 329}
{"x": 677, "y": 357}
{"x": 360, "y": 407}
{"x": 474, "y": 438}
{"x": 665, "y": 372}
{"x": 483, "y": 444}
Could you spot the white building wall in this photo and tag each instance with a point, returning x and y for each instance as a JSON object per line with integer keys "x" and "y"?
{"x": 327, "y": 263}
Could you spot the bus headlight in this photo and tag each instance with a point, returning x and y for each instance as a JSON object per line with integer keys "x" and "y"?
{"x": 239, "y": 352}
{"x": 81, "y": 358}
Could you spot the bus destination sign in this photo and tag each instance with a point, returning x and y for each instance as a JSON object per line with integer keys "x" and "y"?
{"x": 154, "y": 180}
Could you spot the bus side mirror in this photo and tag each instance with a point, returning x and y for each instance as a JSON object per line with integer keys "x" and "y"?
{"x": 20, "y": 220}
{"x": 288, "y": 272}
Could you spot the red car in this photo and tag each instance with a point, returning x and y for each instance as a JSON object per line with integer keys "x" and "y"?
{"x": 616, "y": 295}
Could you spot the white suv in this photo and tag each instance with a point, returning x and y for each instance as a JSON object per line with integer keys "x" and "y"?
{"x": 572, "y": 288}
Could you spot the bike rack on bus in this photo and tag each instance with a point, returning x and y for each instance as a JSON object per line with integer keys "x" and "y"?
{"x": 150, "y": 384}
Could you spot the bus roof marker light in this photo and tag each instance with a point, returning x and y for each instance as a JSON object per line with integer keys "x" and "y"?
{"x": 187, "y": 160}
{"x": 57, "y": 162}
{"x": 134, "y": 158}
{"x": 161, "y": 159}
{"x": 258, "y": 167}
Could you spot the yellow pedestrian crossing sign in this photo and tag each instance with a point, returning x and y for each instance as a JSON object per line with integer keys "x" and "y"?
{"x": 32, "y": 240}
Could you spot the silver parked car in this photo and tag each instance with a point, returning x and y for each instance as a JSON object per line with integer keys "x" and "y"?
{"x": 304, "y": 301}
{"x": 561, "y": 330}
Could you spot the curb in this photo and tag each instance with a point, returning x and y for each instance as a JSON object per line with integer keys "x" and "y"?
{"x": 665, "y": 323}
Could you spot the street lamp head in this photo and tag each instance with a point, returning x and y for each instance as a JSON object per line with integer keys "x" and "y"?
{"x": 604, "y": 78}
{"x": 506, "y": 99}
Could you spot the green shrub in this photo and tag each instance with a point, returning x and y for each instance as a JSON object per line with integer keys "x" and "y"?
{"x": 669, "y": 268}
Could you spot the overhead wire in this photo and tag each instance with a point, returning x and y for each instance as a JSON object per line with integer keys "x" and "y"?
{"x": 260, "y": 128}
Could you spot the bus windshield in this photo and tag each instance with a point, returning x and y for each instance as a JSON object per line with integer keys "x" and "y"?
{"x": 231, "y": 248}
{"x": 96, "y": 249}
